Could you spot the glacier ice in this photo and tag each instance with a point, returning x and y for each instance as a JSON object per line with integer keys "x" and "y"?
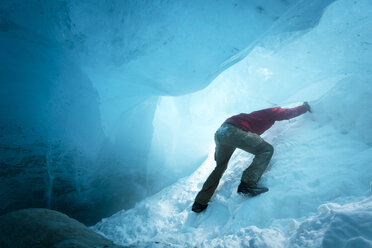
{"x": 81, "y": 81}
{"x": 319, "y": 178}
{"x": 103, "y": 104}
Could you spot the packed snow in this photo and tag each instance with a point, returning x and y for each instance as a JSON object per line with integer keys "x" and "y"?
{"x": 319, "y": 177}
{"x": 320, "y": 194}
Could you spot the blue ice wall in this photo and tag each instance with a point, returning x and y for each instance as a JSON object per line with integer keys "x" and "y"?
{"x": 81, "y": 80}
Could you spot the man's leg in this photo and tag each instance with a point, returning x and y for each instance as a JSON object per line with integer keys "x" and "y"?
{"x": 263, "y": 155}
{"x": 252, "y": 143}
{"x": 222, "y": 156}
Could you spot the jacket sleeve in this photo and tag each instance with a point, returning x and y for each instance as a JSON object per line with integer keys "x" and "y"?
{"x": 278, "y": 114}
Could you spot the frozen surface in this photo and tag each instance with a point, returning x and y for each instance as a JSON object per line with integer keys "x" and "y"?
{"x": 94, "y": 116}
{"x": 320, "y": 194}
{"x": 319, "y": 178}
{"x": 80, "y": 82}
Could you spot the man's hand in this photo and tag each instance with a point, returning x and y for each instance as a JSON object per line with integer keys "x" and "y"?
{"x": 307, "y": 106}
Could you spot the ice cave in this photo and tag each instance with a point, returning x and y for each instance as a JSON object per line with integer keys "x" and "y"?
{"x": 109, "y": 110}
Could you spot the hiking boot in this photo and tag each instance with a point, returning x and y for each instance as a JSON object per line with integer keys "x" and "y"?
{"x": 250, "y": 189}
{"x": 197, "y": 207}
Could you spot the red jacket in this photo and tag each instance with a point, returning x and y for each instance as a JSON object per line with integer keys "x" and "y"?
{"x": 259, "y": 121}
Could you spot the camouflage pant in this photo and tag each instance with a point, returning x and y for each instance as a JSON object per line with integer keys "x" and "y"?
{"x": 228, "y": 138}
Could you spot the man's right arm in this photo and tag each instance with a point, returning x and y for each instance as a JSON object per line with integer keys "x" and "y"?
{"x": 279, "y": 114}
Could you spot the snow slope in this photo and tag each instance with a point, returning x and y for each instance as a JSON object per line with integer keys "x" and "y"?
{"x": 320, "y": 194}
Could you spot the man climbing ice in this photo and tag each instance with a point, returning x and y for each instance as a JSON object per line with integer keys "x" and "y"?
{"x": 243, "y": 131}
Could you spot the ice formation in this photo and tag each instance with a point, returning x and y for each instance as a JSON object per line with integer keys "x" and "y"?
{"x": 319, "y": 178}
{"x": 104, "y": 104}
{"x": 81, "y": 81}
